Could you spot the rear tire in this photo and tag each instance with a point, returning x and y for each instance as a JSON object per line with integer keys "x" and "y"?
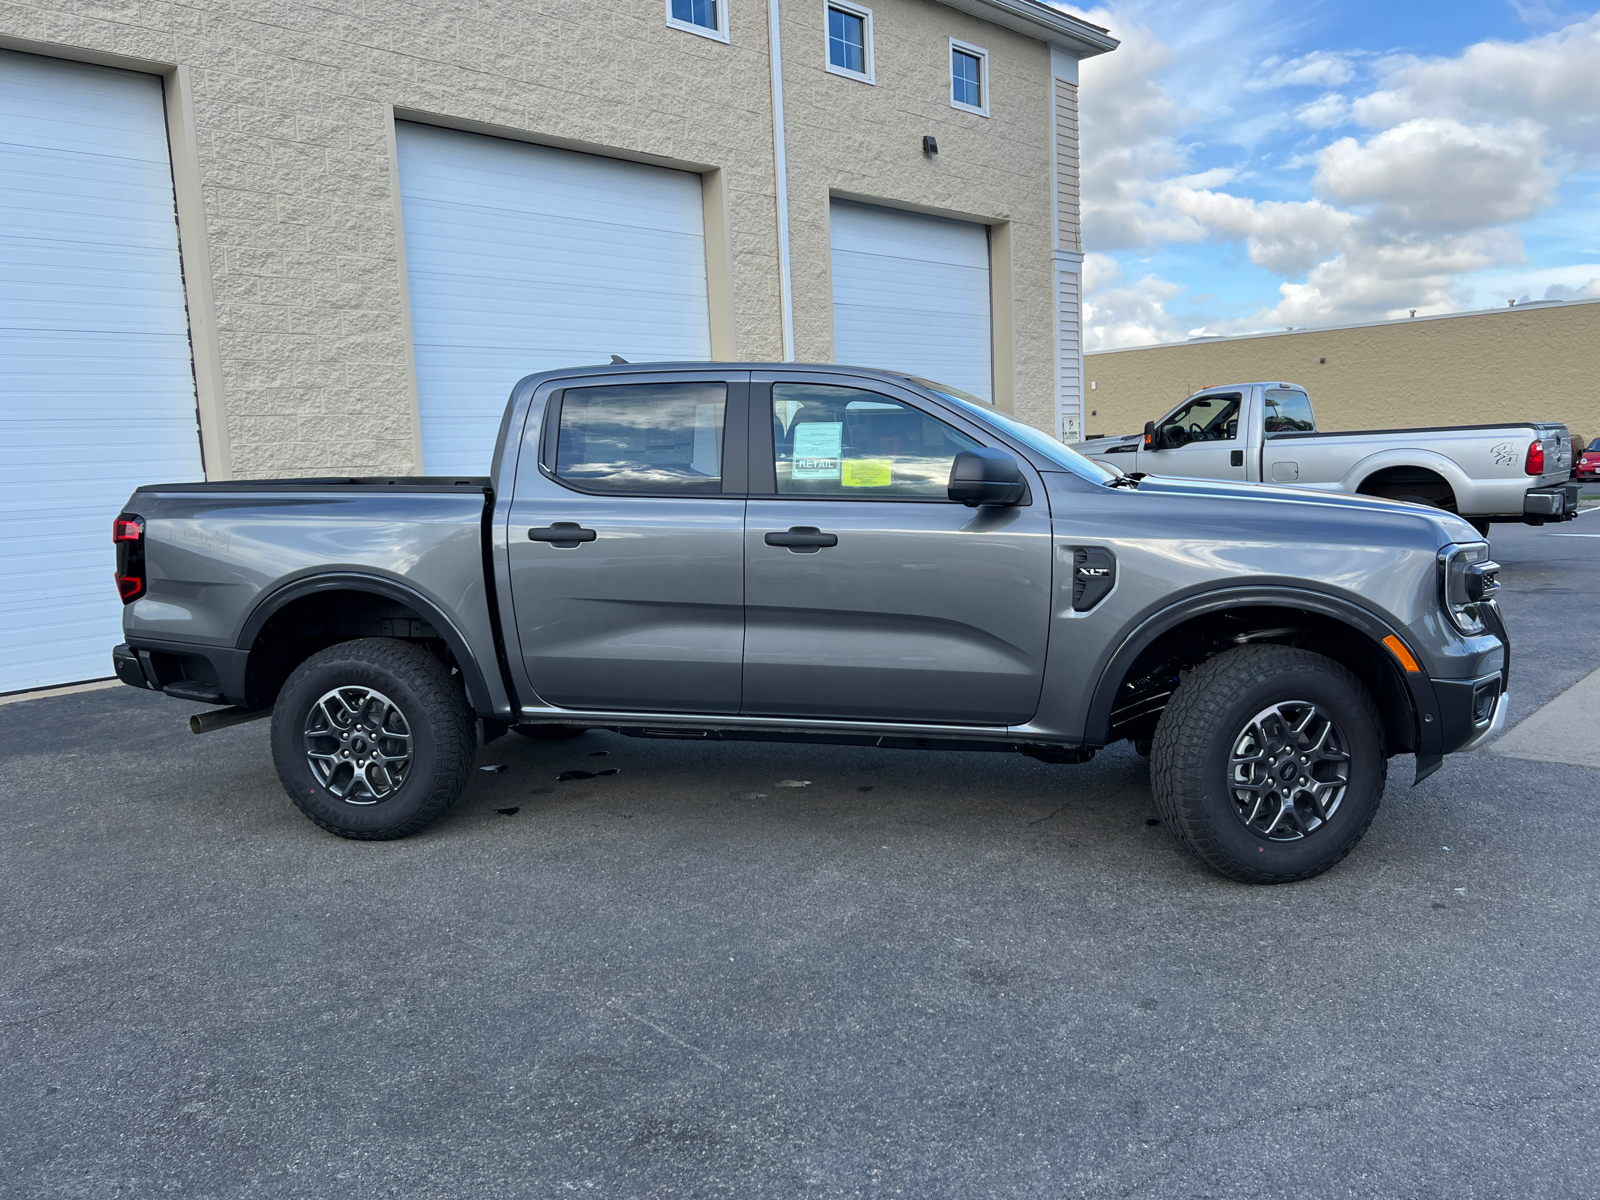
{"x": 373, "y": 739}
{"x": 1249, "y": 794}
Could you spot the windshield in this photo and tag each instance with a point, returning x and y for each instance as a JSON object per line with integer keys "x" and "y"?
{"x": 1042, "y": 443}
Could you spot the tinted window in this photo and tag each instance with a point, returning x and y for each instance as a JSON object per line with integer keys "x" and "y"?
{"x": 646, "y": 438}
{"x": 966, "y": 75}
{"x": 696, "y": 12}
{"x": 1207, "y": 419}
{"x": 839, "y": 441}
{"x": 1288, "y": 410}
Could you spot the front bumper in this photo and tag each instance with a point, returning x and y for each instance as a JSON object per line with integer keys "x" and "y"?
{"x": 1493, "y": 730}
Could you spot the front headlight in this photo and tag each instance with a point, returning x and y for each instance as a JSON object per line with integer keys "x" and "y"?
{"x": 1467, "y": 580}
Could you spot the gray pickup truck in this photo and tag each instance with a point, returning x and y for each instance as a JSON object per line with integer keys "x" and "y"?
{"x": 821, "y": 554}
{"x": 1518, "y": 471}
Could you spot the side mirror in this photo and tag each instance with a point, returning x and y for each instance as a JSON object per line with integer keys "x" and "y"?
{"x": 985, "y": 477}
{"x": 1151, "y": 440}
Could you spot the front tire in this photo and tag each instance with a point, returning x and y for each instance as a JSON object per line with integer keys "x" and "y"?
{"x": 1269, "y": 763}
{"x": 373, "y": 739}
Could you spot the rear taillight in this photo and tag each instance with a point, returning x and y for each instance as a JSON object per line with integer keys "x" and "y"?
{"x": 127, "y": 534}
{"x": 1535, "y": 463}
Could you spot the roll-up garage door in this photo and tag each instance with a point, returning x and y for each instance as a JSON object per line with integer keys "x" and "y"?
{"x": 522, "y": 258}
{"x": 911, "y": 293}
{"x": 96, "y": 385}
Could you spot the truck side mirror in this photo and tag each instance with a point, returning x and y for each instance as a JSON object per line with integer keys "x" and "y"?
{"x": 1151, "y": 441}
{"x": 985, "y": 477}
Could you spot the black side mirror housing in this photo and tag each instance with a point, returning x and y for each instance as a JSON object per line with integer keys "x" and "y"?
{"x": 985, "y": 477}
{"x": 1152, "y": 439}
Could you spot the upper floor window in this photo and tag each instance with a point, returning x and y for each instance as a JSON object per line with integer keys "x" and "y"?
{"x": 850, "y": 40}
{"x": 708, "y": 18}
{"x": 969, "y": 78}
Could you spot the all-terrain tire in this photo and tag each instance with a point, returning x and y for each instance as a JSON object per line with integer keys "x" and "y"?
{"x": 421, "y": 698}
{"x": 1194, "y": 745}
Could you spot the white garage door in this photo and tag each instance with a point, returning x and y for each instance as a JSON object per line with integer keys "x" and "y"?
{"x": 96, "y": 386}
{"x": 522, "y": 258}
{"x": 911, "y": 293}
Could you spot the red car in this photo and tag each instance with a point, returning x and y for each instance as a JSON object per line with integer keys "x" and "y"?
{"x": 1588, "y": 465}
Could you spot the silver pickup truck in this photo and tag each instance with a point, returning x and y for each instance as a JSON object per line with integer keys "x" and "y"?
{"x": 1267, "y": 432}
{"x": 821, "y": 554}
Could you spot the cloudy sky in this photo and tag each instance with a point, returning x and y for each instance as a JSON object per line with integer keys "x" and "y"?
{"x": 1271, "y": 164}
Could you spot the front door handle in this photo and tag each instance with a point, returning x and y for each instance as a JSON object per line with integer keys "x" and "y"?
{"x": 803, "y": 539}
{"x": 564, "y": 535}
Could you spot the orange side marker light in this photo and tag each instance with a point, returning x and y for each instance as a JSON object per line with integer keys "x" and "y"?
{"x": 1398, "y": 649}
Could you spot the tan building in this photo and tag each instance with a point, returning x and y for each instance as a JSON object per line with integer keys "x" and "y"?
{"x": 386, "y": 213}
{"x": 1530, "y": 362}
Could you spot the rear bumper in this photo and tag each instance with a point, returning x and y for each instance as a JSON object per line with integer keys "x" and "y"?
{"x": 208, "y": 674}
{"x": 1558, "y": 502}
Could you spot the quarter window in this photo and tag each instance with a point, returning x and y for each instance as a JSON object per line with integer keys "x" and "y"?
{"x": 643, "y": 439}
{"x": 850, "y": 40}
{"x": 859, "y": 445}
{"x": 707, "y": 17}
{"x": 969, "y": 78}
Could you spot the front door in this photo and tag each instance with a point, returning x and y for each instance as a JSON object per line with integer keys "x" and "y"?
{"x": 868, "y": 594}
{"x": 1202, "y": 439}
{"x": 626, "y": 544}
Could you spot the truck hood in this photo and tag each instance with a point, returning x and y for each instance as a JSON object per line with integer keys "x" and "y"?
{"x": 1101, "y": 445}
{"x": 1447, "y": 526}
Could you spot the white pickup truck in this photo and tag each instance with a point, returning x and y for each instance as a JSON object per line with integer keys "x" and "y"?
{"x": 1266, "y": 433}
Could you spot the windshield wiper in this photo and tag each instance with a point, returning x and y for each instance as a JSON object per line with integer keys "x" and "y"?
{"x": 1131, "y": 481}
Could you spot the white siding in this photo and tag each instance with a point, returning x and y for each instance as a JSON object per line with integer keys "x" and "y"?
{"x": 522, "y": 258}
{"x": 1069, "y": 352}
{"x": 98, "y": 389}
{"x": 911, "y": 293}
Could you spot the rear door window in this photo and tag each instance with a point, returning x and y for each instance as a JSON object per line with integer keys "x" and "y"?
{"x": 643, "y": 439}
{"x": 1288, "y": 410}
{"x": 860, "y": 445}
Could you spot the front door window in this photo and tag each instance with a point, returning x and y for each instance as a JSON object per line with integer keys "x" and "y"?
{"x": 859, "y": 445}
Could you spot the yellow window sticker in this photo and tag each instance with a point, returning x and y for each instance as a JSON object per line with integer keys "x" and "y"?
{"x": 867, "y": 472}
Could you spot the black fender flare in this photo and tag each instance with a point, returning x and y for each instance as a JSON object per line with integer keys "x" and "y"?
{"x": 1418, "y": 687}
{"x": 355, "y": 581}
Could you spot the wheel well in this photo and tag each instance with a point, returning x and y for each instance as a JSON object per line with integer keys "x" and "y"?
{"x": 313, "y": 622}
{"x": 1142, "y": 693}
{"x": 1410, "y": 482}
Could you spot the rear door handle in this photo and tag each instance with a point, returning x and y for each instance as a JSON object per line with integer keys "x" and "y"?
{"x": 803, "y": 539}
{"x": 564, "y": 535}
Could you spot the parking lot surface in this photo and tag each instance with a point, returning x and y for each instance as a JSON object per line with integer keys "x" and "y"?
{"x": 922, "y": 975}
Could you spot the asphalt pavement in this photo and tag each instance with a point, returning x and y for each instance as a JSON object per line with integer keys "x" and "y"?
{"x": 918, "y": 974}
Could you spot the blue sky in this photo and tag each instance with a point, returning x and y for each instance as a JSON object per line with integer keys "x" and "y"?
{"x": 1263, "y": 164}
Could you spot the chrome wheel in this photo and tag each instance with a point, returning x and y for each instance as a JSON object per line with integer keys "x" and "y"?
{"x": 358, "y": 745}
{"x": 1288, "y": 771}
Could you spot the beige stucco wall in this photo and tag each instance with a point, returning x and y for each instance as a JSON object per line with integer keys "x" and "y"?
{"x": 1534, "y": 364}
{"x": 289, "y": 107}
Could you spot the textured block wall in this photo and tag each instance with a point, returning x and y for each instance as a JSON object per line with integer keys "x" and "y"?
{"x": 292, "y": 102}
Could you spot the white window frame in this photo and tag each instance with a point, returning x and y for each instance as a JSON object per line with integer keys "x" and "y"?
{"x": 982, "y": 55}
{"x": 870, "y": 74}
{"x": 719, "y": 34}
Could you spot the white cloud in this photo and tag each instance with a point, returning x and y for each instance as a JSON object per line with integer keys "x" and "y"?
{"x": 1435, "y": 174}
{"x": 1117, "y": 314}
{"x": 1553, "y": 79}
{"x": 1328, "y": 111}
{"x": 1560, "y": 291}
{"x": 1323, "y": 68}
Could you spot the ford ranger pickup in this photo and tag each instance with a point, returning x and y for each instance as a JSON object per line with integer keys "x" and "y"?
{"x": 821, "y": 554}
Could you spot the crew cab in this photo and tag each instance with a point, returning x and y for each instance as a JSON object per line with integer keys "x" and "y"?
{"x": 821, "y": 554}
{"x": 1267, "y": 432}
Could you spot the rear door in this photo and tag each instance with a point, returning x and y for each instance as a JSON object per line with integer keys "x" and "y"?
{"x": 626, "y": 544}
{"x": 869, "y": 595}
